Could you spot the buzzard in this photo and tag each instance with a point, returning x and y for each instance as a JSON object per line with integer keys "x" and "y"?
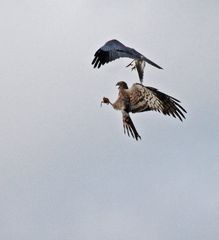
{"x": 140, "y": 98}
{"x": 114, "y": 49}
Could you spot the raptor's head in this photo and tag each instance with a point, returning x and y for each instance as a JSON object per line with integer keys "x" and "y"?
{"x": 122, "y": 85}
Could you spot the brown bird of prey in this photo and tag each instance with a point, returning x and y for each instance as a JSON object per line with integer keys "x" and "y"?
{"x": 114, "y": 49}
{"x": 140, "y": 98}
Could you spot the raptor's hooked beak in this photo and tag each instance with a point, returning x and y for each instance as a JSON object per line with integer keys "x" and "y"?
{"x": 118, "y": 84}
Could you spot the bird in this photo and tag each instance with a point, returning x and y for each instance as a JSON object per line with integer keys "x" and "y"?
{"x": 139, "y": 98}
{"x": 114, "y": 49}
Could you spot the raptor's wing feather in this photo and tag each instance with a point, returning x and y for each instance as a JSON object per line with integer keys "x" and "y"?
{"x": 147, "y": 98}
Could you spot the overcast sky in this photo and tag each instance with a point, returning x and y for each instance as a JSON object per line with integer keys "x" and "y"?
{"x": 67, "y": 171}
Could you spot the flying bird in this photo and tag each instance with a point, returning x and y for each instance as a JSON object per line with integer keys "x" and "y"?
{"x": 140, "y": 98}
{"x": 114, "y": 49}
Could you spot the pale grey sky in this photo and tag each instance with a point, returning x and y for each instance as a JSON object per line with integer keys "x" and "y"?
{"x": 67, "y": 171}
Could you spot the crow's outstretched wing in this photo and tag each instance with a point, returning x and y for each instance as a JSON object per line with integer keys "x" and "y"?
{"x": 113, "y": 50}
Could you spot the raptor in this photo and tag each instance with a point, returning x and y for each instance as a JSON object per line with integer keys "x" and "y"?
{"x": 140, "y": 98}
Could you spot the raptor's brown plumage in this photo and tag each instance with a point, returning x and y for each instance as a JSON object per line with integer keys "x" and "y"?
{"x": 140, "y": 98}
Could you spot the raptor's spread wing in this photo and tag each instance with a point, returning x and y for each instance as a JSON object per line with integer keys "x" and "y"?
{"x": 147, "y": 98}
